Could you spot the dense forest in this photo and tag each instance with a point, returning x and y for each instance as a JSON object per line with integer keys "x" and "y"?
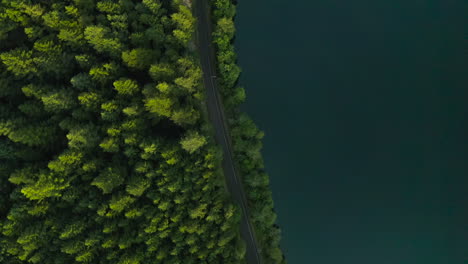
{"x": 105, "y": 152}
{"x": 245, "y": 135}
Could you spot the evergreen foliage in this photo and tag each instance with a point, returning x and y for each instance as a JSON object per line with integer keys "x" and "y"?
{"x": 245, "y": 135}
{"x": 103, "y": 155}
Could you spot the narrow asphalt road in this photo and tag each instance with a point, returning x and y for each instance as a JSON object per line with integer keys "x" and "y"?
{"x": 216, "y": 114}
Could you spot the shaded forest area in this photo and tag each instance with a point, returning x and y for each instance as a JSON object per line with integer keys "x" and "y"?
{"x": 105, "y": 151}
{"x": 247, "y": 138}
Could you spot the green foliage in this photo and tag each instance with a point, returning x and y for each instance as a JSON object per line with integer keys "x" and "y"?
{"x": 58, "y": 101}
{"x": 153, "y": 5}
{"x": 138, "y": 185}
{"x": 161, "y": 106}
{"x": 104, "y": 73}
{"x": 89, "y": 100}
{"x": 162, "y": 72}
{"x": 185, "y": 25}
{"x": 109, "y": 7}
{"x": 46, "y": 186}
{"x": 188, "y": 116}
{"x": 192, "y": 141}
{"x": 83, "y": 137}
{"x": 20, "y": 62}
{"x": 223, "y": 8}
{"x": 246, "y": 136}
{"x": 225, "y": 28}
{"x": 100, "y": 38}
{"x": 139, "y": 59}
{"x": 126, "y": 87}
{"x": 119, "y": 203}
{"x": 109, "y": 178}
{"x": 104, "y": 152}
{"x": 33, "y": 134}
{"x": 72, "y": 230}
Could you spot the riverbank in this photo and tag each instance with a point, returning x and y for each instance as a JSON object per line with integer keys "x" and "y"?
{"x": 216, "y": 113}
{"x": 246, "y": 137}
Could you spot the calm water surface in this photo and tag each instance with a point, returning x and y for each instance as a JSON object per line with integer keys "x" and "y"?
{"x": 365, "y": 108}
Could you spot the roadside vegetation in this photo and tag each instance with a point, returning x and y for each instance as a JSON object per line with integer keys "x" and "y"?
{"x": 105, "y": 156}
{"x": 245, "y": 135}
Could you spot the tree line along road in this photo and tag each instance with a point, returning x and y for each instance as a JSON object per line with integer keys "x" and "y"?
{"x": 216, "y": 114}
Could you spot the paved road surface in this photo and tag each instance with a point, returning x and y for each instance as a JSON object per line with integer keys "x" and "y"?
{"x": 216, "y": 114}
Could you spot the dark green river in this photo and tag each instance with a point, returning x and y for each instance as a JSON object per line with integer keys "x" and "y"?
{"x": 365, "y": 108}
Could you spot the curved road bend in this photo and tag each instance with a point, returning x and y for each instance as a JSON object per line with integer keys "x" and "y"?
{"x": 216, "y": 114}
